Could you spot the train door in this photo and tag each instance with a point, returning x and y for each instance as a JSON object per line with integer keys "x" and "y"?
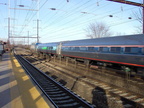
{"x": 58, "y": 51}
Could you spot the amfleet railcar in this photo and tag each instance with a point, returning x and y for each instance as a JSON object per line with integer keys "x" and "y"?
{"x": 121, "y": 51}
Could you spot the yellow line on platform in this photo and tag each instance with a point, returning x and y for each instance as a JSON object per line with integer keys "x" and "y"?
{"x": 16, "y": 101}
{"x": 21, "y": 70}
{"x": 34, "y": 93}
{"x": 16, "y": 63}
{"x": 29, "y": 95}
{"x": 40, "y": 103}
{"x": 25, "y": 78}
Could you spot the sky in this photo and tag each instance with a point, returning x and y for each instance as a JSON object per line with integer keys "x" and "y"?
{"x": 60, "y": 20}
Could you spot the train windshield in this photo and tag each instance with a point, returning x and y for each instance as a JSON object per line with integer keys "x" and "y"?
{"x": 54, "y": 48}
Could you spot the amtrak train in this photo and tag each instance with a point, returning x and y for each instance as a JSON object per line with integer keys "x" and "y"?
{"x": 119, "y": 51}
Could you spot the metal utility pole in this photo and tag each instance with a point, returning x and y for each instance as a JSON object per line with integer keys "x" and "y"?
{"x": 37, "y": 37}
{"x": 37, "y": 30}
{"x": 38, "y": 21}
{"x": 134, "y": 4}
{"x": 8, "y": 22}
{"x": 8, "y": 29}
{"x": 28, "y": 38}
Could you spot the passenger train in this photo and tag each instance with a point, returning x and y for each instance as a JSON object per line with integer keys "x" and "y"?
{"x": 119, "y": 51}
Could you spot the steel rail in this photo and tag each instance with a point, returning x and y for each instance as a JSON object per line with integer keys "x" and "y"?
{"x": 60, "y": 96}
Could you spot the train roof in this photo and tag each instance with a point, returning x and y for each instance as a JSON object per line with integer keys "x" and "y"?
{"x": 117, "y": 40}
{"x": 49, "y": 44}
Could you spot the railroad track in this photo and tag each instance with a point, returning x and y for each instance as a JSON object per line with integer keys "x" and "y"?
{"x": 121, "y": 97}
{"x": 60, "y": 96}
{"x": 113, "y": 95}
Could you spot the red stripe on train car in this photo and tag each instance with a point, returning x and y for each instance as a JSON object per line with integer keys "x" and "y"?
{"x": 107, "y": 61}
{"x": 108, "y": 46}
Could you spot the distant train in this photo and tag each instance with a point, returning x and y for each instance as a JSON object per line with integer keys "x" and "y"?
{"x": 125, "y": 52}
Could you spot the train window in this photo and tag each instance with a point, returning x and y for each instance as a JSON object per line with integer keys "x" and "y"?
{"x": 72, "y": 49}
{"x": 132, "y": 50}
{"x": 103, "y": 49}
{"x": 77, "y": 49}
{"x": 48, "y": 48}
{"x": 54, "y": 48}
{"x": 83, "y": 48}
{"x": 96, "y": 49}
{"x": 142, "y": 50}
{"x": 62, "y": 48}
{"x": 91, "y": 49}
{"x": 115, "y": 49}
{"x": 51, "y": 48}
{"x": 65, "y": 48}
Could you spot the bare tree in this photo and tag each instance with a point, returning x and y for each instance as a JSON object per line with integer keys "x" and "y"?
{"x": 97, "y": 30}
{"x": 139, "y": 16}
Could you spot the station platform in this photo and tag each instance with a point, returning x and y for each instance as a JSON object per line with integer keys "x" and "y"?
{"x": 17, "y": 90}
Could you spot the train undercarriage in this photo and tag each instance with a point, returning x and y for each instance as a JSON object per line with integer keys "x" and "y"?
{"x": 131, "y": 71}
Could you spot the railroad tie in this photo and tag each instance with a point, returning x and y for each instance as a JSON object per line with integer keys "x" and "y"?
{"x": 128, "y": 106}
{"x": 131, "y": 97}
{"x": 124, "y": 94}
{"x": 142, "y": 104}
{"x": 139, "y": 100}
{"x": 107, "y": 88}
{"x": 118, "y": 92}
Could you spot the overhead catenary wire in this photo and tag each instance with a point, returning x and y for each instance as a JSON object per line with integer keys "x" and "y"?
{"x": 73, "y": 34}
{"x": 34, "y": 15}
{"x": 51, "y": 17}
{"x": 69, "y": 14}
{"x": 67, "y": 21}
{"x": 1, "y": 24}
{"x": 64, "y": 24}
{"x": 81, "y": 23}
{"x": 3, "y": 21}
{"x": 28, "y": 19}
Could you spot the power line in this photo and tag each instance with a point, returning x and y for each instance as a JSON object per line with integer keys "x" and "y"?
{"x": 81, "y": 23}
{"x": 134, "y": 4}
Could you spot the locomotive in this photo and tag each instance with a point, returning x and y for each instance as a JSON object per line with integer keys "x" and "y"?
{"x": 125, "y": 52}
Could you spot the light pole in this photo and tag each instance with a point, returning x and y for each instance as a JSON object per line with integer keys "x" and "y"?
{"x": 28, "y": 39}
{"x": 9, "y": 22}
{"x": 57, "y": 9}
